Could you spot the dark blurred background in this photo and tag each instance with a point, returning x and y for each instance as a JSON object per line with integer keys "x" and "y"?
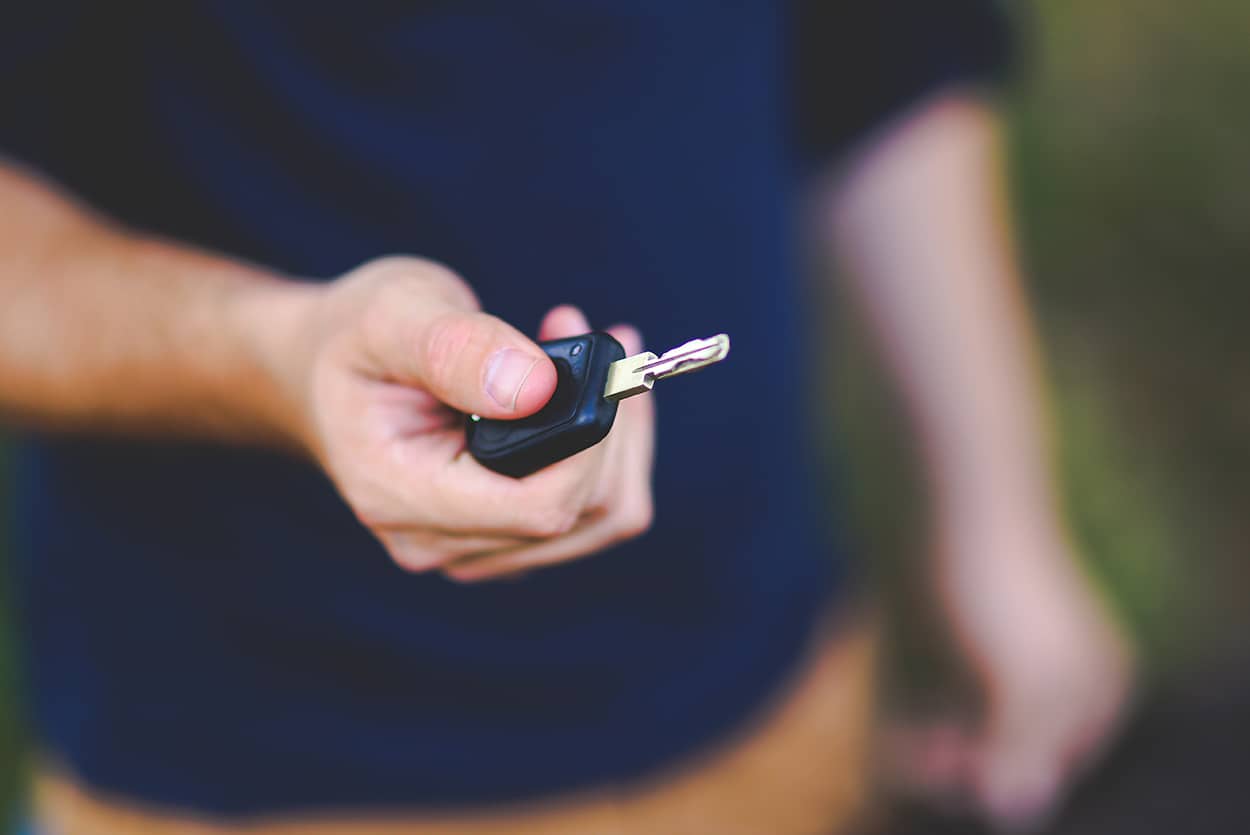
{"x": 1129, "y": 130}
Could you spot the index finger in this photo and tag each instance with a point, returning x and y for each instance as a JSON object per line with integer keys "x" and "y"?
{"x": 457, "y": 493}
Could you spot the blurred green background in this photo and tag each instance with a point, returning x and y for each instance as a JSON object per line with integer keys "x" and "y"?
{"x": 1127, "y": 133}
{"x": 1133, "y": 191}
{"x": 1128, "y": 130}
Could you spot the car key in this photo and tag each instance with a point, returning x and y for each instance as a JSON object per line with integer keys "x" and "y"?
{"x": 593, "y": 375}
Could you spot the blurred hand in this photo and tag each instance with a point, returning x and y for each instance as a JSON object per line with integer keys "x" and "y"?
{"x": 923, "y": 225}
{"x": 1057, "y": 676}
{"x": 389, "y": 358}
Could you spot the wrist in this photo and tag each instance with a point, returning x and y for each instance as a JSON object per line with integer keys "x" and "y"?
{"x": 232, "y": 360}
{"x": 976, "y": 515}
{"x": 273, "y": 320}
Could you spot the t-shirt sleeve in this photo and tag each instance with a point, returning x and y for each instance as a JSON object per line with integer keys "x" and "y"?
{"x": 858, "y": 64}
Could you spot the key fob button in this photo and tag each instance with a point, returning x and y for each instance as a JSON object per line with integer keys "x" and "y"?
{"x": 491, "y": 431}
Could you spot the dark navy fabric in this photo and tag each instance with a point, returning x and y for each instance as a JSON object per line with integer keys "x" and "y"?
{"x": 209, "y": 627}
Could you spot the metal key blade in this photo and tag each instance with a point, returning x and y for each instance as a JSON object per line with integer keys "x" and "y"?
{"x": 636, "y": 374}
{"x": 692, "y": 356}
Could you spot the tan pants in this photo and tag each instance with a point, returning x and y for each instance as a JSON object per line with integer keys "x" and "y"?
{"x": 799, "y": 770}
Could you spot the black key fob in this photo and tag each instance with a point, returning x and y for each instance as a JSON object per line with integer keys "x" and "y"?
{"x": 578, "y": 416}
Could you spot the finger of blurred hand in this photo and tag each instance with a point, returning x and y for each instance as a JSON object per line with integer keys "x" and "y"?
{"x": 1055, "y": 668}
{"x": 1029, "y": 753}
{"x": 1015, "y": 770}
{"x": 934, "y": 761}
{"x": 1019, "y": 795}
{"x": 952, "y": 768}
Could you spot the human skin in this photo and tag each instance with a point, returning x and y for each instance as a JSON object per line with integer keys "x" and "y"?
{"x": 104, "y": 329}
{"x": 107, "y": 330}
{"x": 919, "y": 218}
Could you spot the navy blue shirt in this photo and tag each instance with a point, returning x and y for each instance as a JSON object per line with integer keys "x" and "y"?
{"x": 209, "y": 626}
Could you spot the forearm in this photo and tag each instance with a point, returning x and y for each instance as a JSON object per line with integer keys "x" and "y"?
{"x": 922, "y": 223}
{"x": 922, "y": 227}
{"x": 102, "y": 329}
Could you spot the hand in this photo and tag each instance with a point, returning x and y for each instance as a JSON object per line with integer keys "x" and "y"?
{"x": 389, "y": 358}
{"x": 1056, "y": 672}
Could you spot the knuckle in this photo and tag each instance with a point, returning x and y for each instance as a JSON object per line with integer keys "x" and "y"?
{"x": 397, "y": 278}
{"x": 418, "y": 559}
{"x": 636, "y": 519}
{"x": 635, "y": 524}
{"x": 575, "y": 481}
{"x": 552, "y": 502}
{"x": 444, "y": 281}
{"x": 378, "y": 313}
{"x": 447, "y": 339}
{"x": 414, "y": 551}
{"x": 394, "y": 265}
{"x": 368, "y": 516}
{"x": 573, "y": 496}
{"x": 372, "y": 507}
{"x": 461, "y": 574}
{"x": 551, "y": 522}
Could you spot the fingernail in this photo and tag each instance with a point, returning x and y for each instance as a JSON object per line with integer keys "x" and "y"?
{"x": 506, "y": 374}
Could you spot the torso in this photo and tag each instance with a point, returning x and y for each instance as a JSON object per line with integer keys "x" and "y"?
{"x": 210, "y": 627}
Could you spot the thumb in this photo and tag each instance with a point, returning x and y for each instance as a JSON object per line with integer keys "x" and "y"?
{"x": 1020, "y": 795}
{"x": 477, "y": 363}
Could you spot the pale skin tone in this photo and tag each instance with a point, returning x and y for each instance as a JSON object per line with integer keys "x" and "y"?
{"x": 104, "y": 330}
{"x": 921, "y": 223}
{"x": 107, "y": 330}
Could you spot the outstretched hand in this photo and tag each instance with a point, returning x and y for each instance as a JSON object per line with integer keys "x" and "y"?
{"x": 390, "y": 358}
